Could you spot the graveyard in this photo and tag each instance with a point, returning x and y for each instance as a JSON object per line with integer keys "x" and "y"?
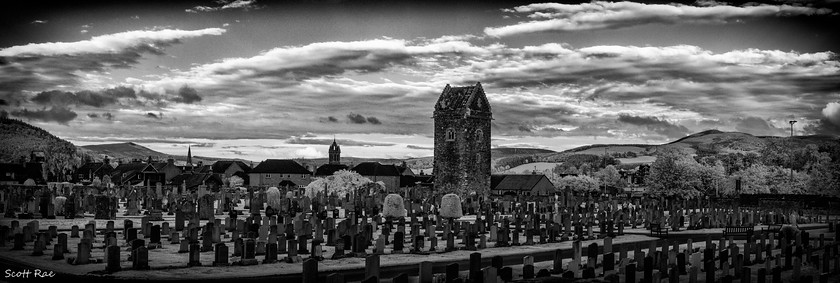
{"x": 228, "y": 235}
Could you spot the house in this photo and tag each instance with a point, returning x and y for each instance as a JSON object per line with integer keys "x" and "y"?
{"x": 193, "y": 180}
{"x": 271, "y": 172}
{"x": 168, "y": 169}
{"x": 228, "y": 168}
{"x": 518, "y": 185}
{"x": 389, "y": 174}
{"x": 136, "y": 173}
{"x": 91, "y": 170}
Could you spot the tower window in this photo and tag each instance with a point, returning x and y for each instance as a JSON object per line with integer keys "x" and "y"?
{"x": 450, "y": 134}
{"x": 479, "y": 135}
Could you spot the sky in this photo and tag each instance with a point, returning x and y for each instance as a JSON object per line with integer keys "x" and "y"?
{"x": 257, "y": 79}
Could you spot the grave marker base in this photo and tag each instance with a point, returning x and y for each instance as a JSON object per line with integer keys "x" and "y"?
{"x": 293, "y": 259}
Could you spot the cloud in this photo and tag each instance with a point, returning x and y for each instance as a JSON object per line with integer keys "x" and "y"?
{"x": 55, "y": 97}
{"x": 832, "y": 113}
{"x": 39, "y": 66}
{"x": 227, "y": 5}
{"x": 154, "y": 116}
{"x": 823, "y": 127}
{"x": 373, "y": 120}
{"x": 411, "y": 146}
{"x": 756, "y": 126}
{"x": 308, "y": 152}
{"x": 597, "y": 15}
{"x": 152, "y": 41}
{"x": 39, "y": 22}
{"x": 58, "y": 114}
{"x": 187, "y": 95}
{"x": 290, "y": 65}
{"x": 359, "y": 119}
{"x": 123, "y": 96}
{"x": 106, "y": 115}
{"x": 356, "y": 118}
{"x": 332, "y": 119}
{"x": 659, "y": 126}
{"x": 341, "y": 142}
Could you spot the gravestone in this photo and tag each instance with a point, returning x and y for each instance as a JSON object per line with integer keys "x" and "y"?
{"x": 140, "y": 258}
{"x": 113, "y": 262}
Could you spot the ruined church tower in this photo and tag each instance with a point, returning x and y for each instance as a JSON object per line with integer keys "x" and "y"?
{"x": 462, "y": 139}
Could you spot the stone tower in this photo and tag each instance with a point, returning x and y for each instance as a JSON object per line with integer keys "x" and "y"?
{"x": 335, "y": 153}
{"x": 462, "y": 139}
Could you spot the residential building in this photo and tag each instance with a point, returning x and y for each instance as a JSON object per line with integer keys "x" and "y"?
{"x": 271, "y": 172}
{"x": 388, "y": 174}
{"x": 521, "y": 185}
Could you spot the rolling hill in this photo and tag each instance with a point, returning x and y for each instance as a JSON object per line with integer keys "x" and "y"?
{"x": 710, "y": 141}
{"x": 129, "y": 150}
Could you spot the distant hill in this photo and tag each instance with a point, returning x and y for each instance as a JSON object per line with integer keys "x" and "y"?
{"x": 129, "y": 150}
{"x": 707, "y": 142}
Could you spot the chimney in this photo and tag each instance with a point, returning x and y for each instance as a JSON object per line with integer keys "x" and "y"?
{"x": 106, "y": 160}
{"x": 149, "y": 160}
{"x": 170, "y": 161}
{"x": 23, "y": 160}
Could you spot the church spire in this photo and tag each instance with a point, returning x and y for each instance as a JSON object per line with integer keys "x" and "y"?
{"x": 189, "y": 157}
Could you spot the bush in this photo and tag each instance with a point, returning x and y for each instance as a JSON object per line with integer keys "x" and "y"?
{"x": 394, "y": 206}
{"x": 789, "y": 232}
{"x": 450, "y": 206}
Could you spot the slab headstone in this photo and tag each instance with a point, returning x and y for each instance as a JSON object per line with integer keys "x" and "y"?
{"x": 82, "y": 254}
{"x": 140, "y": 258}
{"x": 372, "y": 266}
{"x": 113, "y": 259}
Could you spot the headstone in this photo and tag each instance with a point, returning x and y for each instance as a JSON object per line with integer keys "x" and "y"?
{"x": 140, "y": 257}
{"x": 74, "y": 231}
{"x": 83, "y": 254}
{"x": 270, "y": 253}
{"x": 40, "y": 245}
{"x": 195, "y": 255}
{"x": 113, "y": 259}
{"x": 452, "y": 271}
{"x": 372, "y": 266}
{"x": 592, "y": 255}
{"x": 475, "y": 267}
{"x": 426, "y": 273}
{"x": 489, "y": 274}
{"x": 310, "y": 271}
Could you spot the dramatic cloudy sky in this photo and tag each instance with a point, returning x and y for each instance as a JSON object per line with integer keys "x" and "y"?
{"x": 256, "y": 80}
